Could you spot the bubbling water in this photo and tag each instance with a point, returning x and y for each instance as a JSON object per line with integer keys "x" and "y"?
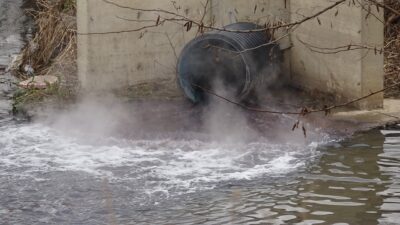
{"x": 158, "y": 165}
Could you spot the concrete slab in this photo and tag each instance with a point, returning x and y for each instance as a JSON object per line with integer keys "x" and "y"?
{"x": 389, "y": 114}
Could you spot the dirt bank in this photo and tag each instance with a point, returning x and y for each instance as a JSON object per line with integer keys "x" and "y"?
{"x": 51, "y": 51}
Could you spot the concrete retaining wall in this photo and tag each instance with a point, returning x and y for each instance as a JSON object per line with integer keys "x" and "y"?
{"x": 122, "y": 59}
{"x": 348, "y": 74}
{"x": 108, "y": 61}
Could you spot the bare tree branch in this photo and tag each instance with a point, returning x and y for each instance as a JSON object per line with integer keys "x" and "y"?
{"x": 304, "y": 111}
{"x": 178, "y": 16}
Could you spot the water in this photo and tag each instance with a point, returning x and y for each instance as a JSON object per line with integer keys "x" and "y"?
{"x": 78, "y": 169}
{"x": 111, "y": 162}
{"x": 51, "y": 174}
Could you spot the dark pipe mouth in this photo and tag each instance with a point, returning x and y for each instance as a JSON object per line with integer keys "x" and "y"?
{"x": 221, "y": 62}
{"x": 212, "y": 64}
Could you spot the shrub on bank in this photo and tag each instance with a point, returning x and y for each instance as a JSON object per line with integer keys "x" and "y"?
{"x": 392, "y": 47}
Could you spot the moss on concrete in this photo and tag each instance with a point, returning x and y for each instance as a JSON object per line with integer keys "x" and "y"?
{"x": 155, "y": 90}
{"x": 28, "y": 101}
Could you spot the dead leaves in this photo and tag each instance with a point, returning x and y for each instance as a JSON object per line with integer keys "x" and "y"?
{"x": 304, "y": 112}
{"x": 188, "y": 25}
{"x": 304, "y": 131}
{"x": 303, "y": 128}
{"x": 296, "y": 125}
{"x": 201, "y": 28}
{"x": 158, "y": 20}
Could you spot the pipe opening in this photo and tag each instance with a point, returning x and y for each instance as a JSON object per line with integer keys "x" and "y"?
{"x": 221, "y": 60}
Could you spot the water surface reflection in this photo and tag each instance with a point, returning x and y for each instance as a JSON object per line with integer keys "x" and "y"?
{"x": 354, "y": 182}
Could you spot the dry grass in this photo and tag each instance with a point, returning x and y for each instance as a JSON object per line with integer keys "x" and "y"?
{"x": 392, "y": 48}
{"x": 52, "y": 51}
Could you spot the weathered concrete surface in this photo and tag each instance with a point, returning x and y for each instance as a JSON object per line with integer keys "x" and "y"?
{"x": 390, "y": 113}
{"x": 109, "y": 61}
{"x": 349, "y": 74}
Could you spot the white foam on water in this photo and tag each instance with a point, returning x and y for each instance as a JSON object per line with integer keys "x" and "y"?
{"x": 161, "y": 165}
{"x": 392, "y": 140}
{"x": 388, "y": 132}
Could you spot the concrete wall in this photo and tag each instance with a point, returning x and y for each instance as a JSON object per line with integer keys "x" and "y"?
{"x": 115, "y": 60}
{"x": 109, "y": 61}
{"x": 122, "y": 59}
{"x": 349, "y": 74}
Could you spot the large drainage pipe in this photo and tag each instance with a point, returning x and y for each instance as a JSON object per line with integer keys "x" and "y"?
{"x": 235, "y": 62}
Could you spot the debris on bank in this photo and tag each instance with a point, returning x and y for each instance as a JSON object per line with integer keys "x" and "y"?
{"x": 39, "y": 82}
{"x": 48, "y": 63}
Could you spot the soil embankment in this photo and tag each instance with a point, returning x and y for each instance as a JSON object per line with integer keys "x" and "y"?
{"x": 52, "y": 52}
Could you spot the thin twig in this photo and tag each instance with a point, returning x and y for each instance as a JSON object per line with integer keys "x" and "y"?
{"x": 385, "y": 6}
{"x": 325, "y": 109}
{"x": 201, "y": 24}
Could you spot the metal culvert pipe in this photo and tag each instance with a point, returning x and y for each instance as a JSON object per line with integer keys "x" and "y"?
{"x": 230, "y": 60}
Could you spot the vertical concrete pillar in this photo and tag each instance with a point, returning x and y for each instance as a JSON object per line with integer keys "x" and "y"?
{"x": 321, "y": 63}
{"x": 373, "y": 60}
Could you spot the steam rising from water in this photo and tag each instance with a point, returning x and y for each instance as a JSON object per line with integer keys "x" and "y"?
{"x": 180, "y": 164}
{"x": 93, "y": 118}
{"x": 226, "y": 122}
{"x": 105, "y": 137}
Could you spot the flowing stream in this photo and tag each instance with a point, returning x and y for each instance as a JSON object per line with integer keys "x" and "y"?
{"x": 110, "y": 162}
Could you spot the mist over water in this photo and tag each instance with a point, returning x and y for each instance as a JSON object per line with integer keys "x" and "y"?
{"x": 168, "y": 148}
{"x": 109, "y": 161}
{"x": 175, "y": 164}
